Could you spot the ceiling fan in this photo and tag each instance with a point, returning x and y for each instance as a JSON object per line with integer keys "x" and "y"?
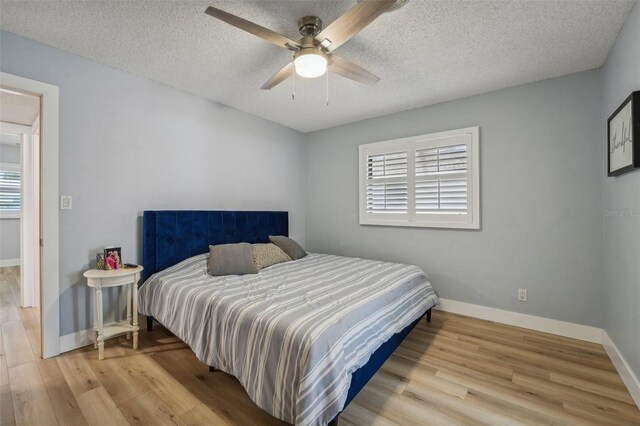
{"x": 313, "y": 53}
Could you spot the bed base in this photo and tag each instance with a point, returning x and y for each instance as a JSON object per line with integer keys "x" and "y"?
{"x": 381, "y": 354}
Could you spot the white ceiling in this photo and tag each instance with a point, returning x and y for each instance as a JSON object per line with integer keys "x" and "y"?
{"x": 19, "y": 109}
{"x": 425, "y": 53}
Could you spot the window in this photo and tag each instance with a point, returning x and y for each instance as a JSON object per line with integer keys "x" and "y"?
{"x": 9, "y": 190}
{"x": 425, "y": 181}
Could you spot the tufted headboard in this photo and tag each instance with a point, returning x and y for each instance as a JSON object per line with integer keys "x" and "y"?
{"x": 171, "y": 236}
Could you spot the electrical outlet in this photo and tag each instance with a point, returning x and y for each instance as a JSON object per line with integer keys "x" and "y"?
{"x": 522, "y": 294}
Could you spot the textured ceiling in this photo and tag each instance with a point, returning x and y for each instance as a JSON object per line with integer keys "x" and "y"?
{"x": 425, "y": 53}
{"x": 19, "y": 109}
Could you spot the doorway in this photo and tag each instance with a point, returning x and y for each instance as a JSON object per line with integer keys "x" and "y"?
{"x": 29, "y": 191}
{"x": 20, "y": 217}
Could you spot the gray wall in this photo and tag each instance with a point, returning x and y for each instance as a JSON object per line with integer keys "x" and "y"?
{"x": 128, "y": 144}
{"x": 541, "y": 205}
{"x": 620, "y": 77}
{"x": 9, "y": 228}
{"x": 9, "y": 151}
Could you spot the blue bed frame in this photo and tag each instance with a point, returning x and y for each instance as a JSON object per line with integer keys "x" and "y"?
{"x": 171, "y": 236}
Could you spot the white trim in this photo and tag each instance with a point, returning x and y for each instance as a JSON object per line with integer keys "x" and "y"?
{"x": 83, "y": 338}
{"x": 560, "y": 328}
{"x": 34, "y": 254}
{"x": 30, "y": 219}
{"x": 76, "y": 340}
{"x": 50, "y": 261}
{"x": 79, "y": 339}
{"x": 9, "y": 262}
{"x": 626, "y": 373}
{"x": 546, "y": 325}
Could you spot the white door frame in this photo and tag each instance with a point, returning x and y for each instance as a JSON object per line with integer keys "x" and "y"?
{"x": 49, "y": 231}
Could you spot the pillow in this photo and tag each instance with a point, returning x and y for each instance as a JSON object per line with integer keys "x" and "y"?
{"x": 288, "y": 246}
{"x": 268, "y": 254}
{"x": 231, "y": 259}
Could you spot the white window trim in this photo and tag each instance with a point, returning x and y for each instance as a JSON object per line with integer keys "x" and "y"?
{"x": 10, "y": 214}
{"x": 469, "y": 221}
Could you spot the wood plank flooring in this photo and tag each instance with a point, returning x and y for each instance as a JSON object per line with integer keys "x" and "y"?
{"x": 456, "y": 370}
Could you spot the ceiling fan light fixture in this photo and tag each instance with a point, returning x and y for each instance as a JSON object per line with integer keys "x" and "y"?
{"x": 310, "y": 63}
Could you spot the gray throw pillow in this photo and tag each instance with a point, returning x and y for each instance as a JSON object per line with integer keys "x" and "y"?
{"x": 288, "y": 246}
{"x": 231, "y": 259}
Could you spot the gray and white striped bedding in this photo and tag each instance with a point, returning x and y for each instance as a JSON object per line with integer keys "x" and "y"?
{"x": 293, "y": 333}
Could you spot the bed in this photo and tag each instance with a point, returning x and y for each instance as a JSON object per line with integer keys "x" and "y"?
{"x": 302, "y": 337}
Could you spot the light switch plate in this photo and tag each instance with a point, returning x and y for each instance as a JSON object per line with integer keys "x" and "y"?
{"x": 65, "y": 202}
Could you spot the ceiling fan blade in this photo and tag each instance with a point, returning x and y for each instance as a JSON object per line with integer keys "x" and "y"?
{"x": 352, "y": 22}
{"x": 286, "y": 72}
{"x": 351, "y": 71}
{"x": 255, "y": 29}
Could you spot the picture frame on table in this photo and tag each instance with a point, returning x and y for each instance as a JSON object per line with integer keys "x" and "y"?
{"x": 113, "y": 258}
{"x": 623, "y": 137}
{"x": 100, "y": 261}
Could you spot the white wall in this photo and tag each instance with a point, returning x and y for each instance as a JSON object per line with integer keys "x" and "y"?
{"x": 128, "y": 144}
{"x": 621, "y": 250}
{"x": 9, "y": 227}
{"x": 541, "y": 157}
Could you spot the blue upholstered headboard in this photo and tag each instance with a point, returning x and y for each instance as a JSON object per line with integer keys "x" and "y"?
{"x": 171, "y": 236}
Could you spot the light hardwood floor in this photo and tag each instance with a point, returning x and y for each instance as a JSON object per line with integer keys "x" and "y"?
{"x": 456, "y": 370}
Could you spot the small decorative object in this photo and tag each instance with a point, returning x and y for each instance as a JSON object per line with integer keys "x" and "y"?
{"x": 100, "y": 261}
{"x": 112, "y": 258}
{"x": 623, "y": 130}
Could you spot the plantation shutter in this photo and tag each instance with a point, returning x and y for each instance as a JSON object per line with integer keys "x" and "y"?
{"x": 429, "y": 181}
{"x": 9, "y": 189}
{"x": 441, "y": 179}
{"x": 386, "y": 183}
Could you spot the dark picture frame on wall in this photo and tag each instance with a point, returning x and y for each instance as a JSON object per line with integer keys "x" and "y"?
{"x": 623, "y": 133}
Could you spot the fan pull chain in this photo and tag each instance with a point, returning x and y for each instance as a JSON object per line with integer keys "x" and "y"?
{"x": 293, "y": 89}
{"x": 327, "y": 72}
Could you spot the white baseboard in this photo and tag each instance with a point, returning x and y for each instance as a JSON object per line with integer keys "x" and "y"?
{"x": 626, "y": 373}
{"x": 79, "y": 339}
{"x": 82, "y": 338}
{"x": 76, "y": 340}
{"x": 561, "y": 328}
{"x": 9, "y": 262}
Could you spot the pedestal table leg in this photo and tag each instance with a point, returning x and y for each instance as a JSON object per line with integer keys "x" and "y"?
{"x": 100, "y": 322}
{"x": 129, "y": 291}
{"x": 135, "y": 311}
{"x": 95, "y": 319}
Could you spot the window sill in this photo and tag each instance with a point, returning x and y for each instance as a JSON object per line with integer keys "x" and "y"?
{"x": 407, "y": 224}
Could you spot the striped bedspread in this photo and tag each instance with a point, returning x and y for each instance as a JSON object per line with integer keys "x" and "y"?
{"x": 293, "y": 333}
